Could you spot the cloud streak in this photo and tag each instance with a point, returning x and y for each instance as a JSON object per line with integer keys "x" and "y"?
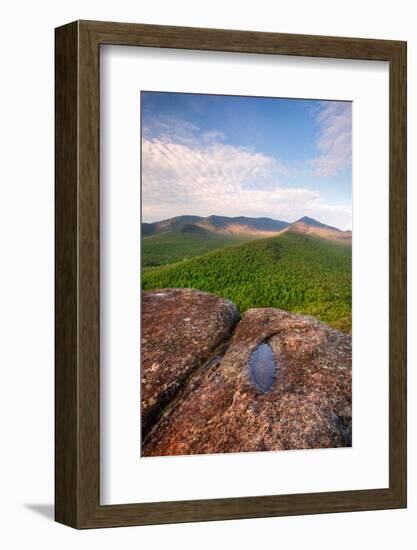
{"x": 334, "y": 140}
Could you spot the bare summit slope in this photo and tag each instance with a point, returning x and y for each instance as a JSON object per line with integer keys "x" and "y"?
{"x": 312, "y": 227}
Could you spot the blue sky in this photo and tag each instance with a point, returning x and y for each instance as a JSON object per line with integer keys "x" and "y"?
{"x": 231, "y": 155}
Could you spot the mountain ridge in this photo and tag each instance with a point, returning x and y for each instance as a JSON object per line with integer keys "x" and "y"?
{"x": 242, "y": 225}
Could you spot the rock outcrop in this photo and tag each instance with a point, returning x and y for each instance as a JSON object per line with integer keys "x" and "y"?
{"x": 292, "y": 393}
{"x": 181, "y": 328}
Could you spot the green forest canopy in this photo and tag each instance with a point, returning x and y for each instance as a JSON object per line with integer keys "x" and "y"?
{"x": 291, "y": 271}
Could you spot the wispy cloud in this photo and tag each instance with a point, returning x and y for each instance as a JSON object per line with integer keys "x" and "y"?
{"x": 187, "y": 172}
{"x": 213, "y": 136}
{"x": 170, "y": 128}
{"x": 334, "y": 139}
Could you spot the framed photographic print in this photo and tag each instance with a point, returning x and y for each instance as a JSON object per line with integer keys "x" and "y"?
{"x": 230, "y": 274}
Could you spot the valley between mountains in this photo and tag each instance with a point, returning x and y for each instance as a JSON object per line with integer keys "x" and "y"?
{"x": 302, "y": 267}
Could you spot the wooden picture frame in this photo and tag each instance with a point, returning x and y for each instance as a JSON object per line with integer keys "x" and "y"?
{"x": 77, "y": 374}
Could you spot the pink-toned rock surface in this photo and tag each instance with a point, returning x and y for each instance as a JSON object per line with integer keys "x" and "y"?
{"x": 180, "y": 330}
{"x": 308, "y": 405}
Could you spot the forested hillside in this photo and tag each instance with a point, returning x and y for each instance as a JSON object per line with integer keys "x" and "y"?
{"x": 292, "y": 271}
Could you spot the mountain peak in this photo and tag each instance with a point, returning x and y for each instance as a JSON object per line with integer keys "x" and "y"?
{"x": 310, "y": 226}
{"x": 310, "y": 221}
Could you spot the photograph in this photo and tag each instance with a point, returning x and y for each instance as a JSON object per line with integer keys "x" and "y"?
{"x": 246, "y": 274}
{"x": 209, "y": 267}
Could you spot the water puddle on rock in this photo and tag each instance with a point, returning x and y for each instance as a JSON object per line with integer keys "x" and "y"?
{"x": 262, "y": 367}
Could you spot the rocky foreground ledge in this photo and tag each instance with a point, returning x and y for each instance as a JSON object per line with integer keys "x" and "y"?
{"x": 280, "y": 381}
{"x": 180, "y": 330}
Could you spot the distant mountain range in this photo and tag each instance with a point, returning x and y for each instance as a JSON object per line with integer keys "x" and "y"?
{"x": 244, "y": 226}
